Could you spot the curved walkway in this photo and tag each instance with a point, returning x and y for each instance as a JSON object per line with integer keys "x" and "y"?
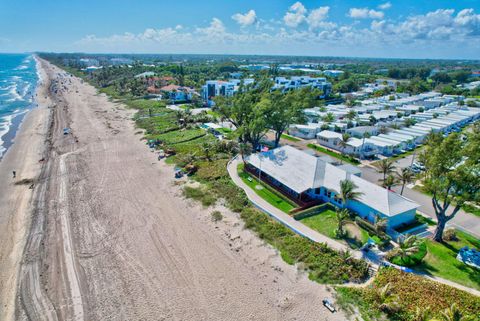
{"x": 281, "y": 216}
{"x": 307, "y": 232}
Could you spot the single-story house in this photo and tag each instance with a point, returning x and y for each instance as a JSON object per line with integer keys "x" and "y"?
{"x": 360, "y": 131}
{"x": 305, "y": 177}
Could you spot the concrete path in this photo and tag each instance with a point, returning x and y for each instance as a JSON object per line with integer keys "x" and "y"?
{"x": 281, "y": 216}
{"x": 307, "y": 232}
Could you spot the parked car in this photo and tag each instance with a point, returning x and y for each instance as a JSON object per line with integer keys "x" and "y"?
{"x": 66, "y": 131}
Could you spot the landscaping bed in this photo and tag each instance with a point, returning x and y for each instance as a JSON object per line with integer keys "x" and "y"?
{"x": 395, "y": 295}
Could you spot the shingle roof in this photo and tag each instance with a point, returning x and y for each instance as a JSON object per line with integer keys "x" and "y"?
{"x": 301, "y": 172}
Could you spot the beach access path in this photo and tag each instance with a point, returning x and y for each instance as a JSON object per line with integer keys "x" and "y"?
{"x": 113, "y": 238}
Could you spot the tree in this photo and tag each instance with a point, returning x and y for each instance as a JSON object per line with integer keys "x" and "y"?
{"x": 452, "y": 170}
{"x": 207, "y": 150}
{"x": 405, "y": 176}
{"x": 385, "y": 166}
{"x": 351, "y": 115}
{"x": 348, "y": 192}
{"x": 409, "y": 122}
{"x": 365, "y": 135}
{"x": 344, "y": 142}
{"x": 247, "y": 110}
{"x": 422, "y": 314}
{"x": 452, "y": 313}
{"x": 244, "y": 149}
{"x": 286, "y": 109}
{"x": 342, "y": 217}
{"x": 381, "y": 224}
{"x": 407, "y": 247}
{"x": 389, "y": 182}
{"x": 329, "y": 118}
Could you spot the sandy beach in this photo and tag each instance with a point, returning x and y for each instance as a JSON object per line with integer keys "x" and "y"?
{"x": 105, "y": 233}
{"x": 16, "y": 200}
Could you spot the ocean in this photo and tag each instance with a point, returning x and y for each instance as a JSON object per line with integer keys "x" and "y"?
{"x": 18, "y": 80}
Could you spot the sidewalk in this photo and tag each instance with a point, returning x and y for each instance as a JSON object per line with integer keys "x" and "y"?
{"x": 283, "y": 217}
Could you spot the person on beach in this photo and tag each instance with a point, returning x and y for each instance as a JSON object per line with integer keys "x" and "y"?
{"x": 14, "y": 174}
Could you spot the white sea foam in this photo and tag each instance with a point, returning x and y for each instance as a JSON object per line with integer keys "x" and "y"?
{"x": 14, "y": 94}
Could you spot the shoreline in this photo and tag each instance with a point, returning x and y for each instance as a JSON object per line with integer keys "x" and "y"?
{"x": 9, "y": 137}
{"x": 23, "y": 156}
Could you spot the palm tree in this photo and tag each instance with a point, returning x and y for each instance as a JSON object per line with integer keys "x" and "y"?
{"x": 344, "y": 142}
{"x": 381, "y": 225}
{"x": 389, "y": 182}
{"x": 348, "y": 192}
{"x": 365, "y": 135}
{"x": 386, "y": 298}
{"x": 452, "y": 313}
{"x": 405, "y": 177}
{"x": 385, "y": 166}
{"x": 422, "y": 314}
{"x": 351, "y": 115}
{"x": 207, "y": 149}
{"x": 329, "y": 118}
{"x": 407, "y": 247}
{"x": 342, "y": 217}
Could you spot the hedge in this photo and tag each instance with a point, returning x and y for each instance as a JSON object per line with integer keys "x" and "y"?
{"x": 312, "y": 211}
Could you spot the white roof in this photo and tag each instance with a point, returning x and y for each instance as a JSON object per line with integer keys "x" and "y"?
{"x": 300, "y": 172}
{"x": 329, "y": 134}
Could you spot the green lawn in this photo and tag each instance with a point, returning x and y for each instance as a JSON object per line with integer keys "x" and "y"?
{"x": 290, "y": 138}
{"x": 324, "y": 223}
{"x": 344, "y": 158}
{"x": 266, "y": 192}
{"x": 441, "y": 261}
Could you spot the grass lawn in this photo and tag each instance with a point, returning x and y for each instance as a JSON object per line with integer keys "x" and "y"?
{"x": 266, "y": 192}
{"x": 441, "y": 261}
{"x": 346, "y": 159}
{"x": 324, "y": 223}
{"x": 290, "y": 138}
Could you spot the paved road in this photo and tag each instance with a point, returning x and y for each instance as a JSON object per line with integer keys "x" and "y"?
{"x": 463, "y": 221}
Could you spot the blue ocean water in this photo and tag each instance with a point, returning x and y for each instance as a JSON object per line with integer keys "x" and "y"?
{"x": 18, "y": 80}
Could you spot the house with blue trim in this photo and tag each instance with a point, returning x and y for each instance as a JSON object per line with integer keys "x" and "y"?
{"x": 307, "y": 178}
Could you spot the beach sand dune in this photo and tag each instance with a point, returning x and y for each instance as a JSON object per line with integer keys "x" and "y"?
{"x": 111, "y": 237}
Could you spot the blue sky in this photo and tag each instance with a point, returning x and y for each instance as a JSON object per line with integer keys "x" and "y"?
{"x": 369, "y": 28}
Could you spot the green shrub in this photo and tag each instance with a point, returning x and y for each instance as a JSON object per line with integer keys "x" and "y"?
{"x": 216, "y": 216}
{"x": 200, "y": 194}
{"x": 413, "y": 259}
{"x": 314, "y": 211}
{"x": 324, "y": 264}
{"x": 406, "y": 293}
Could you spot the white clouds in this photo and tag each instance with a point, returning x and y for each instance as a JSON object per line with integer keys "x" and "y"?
{"x": 385, "y": 6}
{"x": 317, "y": 17}
{"x": 365, "y": 13}
{"x": 307, "y": 31}
{"x": 295, "y": 15}
{"x": 246, "y": 19}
